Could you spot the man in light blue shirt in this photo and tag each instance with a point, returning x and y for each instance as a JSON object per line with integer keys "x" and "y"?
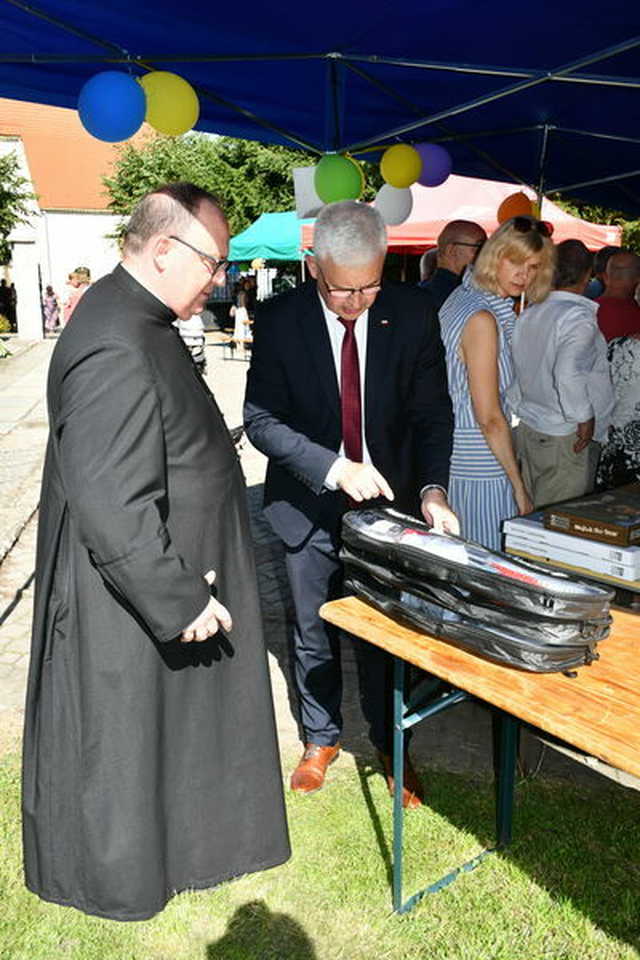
{"x": 562, "y": 391}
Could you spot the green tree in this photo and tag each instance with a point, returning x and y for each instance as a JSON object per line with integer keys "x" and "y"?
{"x": 248, "y": 177}
{"x": 15, "y": 194}
{"x": 596, "y": 214}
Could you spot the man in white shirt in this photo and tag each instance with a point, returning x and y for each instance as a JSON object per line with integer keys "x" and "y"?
{"x": 562, "y": 391}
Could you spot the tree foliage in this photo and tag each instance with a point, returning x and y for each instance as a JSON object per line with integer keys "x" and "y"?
{"x": 249, "y": 178}
{"x": 15, "y": 194}
{"x": 596, "y": 214}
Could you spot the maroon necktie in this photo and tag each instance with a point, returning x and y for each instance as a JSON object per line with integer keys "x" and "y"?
{"x": 350, "y": 393}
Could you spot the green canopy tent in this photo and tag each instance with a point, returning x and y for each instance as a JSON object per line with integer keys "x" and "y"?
{"x": 273, "y": 236}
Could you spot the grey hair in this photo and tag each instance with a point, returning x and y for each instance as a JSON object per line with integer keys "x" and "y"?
{"x": 169, "y": 209}
{"x": 349, "y": 233}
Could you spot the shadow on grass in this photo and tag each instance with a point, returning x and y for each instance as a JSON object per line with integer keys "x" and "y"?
{"x": 577, "y": 842}
{"x": 255, "y": 932}
{"x": 365, "y": 773}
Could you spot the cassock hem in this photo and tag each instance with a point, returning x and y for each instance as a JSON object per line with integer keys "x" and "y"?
{"x": 147, "y": 915}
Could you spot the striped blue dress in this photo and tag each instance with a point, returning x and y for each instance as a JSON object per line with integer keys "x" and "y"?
{"x": 479, "y": 490}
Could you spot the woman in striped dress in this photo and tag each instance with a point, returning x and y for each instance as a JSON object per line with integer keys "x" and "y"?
{"x": 476, "y": 321}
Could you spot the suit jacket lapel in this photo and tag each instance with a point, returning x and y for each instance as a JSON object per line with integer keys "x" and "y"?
{"x": 316, "y": 335}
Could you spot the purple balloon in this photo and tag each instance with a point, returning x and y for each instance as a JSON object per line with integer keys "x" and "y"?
{"x": 436, "y": 164}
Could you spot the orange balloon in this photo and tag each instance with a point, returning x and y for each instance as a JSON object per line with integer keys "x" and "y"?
{"x": 516, "y": 205}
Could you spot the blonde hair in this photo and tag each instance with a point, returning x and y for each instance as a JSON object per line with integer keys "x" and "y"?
{"x": 512, "y": 242}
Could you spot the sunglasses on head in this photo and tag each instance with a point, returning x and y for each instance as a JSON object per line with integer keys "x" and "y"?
{"x": 526, "y": 224}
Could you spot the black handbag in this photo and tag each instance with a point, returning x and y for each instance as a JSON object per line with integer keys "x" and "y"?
{"x": 508, "y": 610}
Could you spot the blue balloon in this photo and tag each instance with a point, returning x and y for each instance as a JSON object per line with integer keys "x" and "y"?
{"x": 112, "y": 106}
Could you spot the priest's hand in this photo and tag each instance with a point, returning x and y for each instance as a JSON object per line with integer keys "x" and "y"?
{"x": 212, "y": 617}
{"x": 361, "y": 481}
{"x": 438, "y": 513}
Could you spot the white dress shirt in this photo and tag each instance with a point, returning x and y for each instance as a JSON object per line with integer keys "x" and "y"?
{"x": 561, "y": 370}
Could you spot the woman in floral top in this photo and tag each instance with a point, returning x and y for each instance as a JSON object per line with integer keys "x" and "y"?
{"x": 620, "y": 459}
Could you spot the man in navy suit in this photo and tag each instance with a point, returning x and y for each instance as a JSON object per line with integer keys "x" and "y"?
{"x": 347, "y": 397}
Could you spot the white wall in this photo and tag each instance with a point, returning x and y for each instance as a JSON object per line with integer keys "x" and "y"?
{"x": 70, "y": 240}
{"x": 57, "y": 242}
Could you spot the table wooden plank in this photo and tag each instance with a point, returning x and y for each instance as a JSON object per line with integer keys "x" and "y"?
{"x": 597, "y": 711}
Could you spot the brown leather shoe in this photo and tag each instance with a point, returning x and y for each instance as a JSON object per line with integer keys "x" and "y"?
{"x": 412, "y": 791}
{"x": 309, "y": 775}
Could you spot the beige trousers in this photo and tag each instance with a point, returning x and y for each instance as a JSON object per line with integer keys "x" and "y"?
{"x": 550, "y": 469}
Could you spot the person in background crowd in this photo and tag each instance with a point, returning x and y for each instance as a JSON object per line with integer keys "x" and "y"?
{"x": 5, "y": 298}
{"x": 428, "y": 265}
{"x": 347, "y": 397}
{"x": 620, "y": 459}
{"x": 562, "y": 390}
{"x": 191, "y": 330}
{"x": 240, "y": 314}
{"x": 477, "y": 323}
{"x": 75, "y": 289}
{"x": 13, "y": 306}
{"x": 458, "y": 246}
{"x": 51, "y": 310}
{"x": 595, "y": 287}
{"x": 618, "y": 312}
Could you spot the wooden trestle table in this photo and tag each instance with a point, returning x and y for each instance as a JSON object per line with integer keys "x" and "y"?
{"x": 596, "y": 710}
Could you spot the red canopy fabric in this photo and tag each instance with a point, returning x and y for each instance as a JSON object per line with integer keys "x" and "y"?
{"x": 466, "y": 198}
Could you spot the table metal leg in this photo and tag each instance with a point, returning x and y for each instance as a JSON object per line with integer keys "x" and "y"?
{"x": 508, "y": 735}
{"x": 406, "y": 715}
{"x": 398, "y": 776}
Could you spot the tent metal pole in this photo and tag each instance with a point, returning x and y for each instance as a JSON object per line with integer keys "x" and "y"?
{"x": 598, "y": 180}
{"x": 491, "y": 161}
{"x": 41, "y": 15}
{"x": 500, "y": 94}
{"x": 126, "y": 58}
{"x": 472, "y": 68}
{"x": 137, "y": 61}
{"x": 175, "y": 58}
{"x": 598, "y": 136}
{"x": 462, "y": 137}
{"x": 492, "y": 71}
{"x": 542, "y": 161}
{"x": 254, "y": 118}
{"x": 335, "y": 104}
{"x": 599, "y": 80}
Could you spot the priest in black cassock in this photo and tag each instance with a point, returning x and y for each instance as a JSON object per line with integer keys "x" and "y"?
{"x": 150, "y": 756}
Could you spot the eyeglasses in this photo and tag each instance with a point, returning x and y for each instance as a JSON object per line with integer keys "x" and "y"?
{"x": 465, "y": 243}
{"x": 343, "y": 293}
{"x": 527, "y": 224}
{"x": 213, "y": 266}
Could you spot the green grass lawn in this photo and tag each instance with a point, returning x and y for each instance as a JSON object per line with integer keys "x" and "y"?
{"x": 567, "y": 889}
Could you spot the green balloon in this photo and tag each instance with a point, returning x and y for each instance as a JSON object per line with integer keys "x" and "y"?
{"x": 337, "y": 178}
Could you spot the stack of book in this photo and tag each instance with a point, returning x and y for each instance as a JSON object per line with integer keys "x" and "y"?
{"x": 597, "y": 534}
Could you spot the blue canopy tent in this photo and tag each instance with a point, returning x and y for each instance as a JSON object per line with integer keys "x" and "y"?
{"x": 545, "y": 96}
{"x": 273, "y": 236}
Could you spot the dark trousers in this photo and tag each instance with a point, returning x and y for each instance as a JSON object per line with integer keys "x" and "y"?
{"x": 315, "y": 576}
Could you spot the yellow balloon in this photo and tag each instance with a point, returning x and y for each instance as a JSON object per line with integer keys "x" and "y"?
{"x": 172, "y": 103}
{"x": 401, "y": 165}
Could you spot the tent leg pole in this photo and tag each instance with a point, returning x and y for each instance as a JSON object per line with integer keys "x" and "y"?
{"x": 541, "y": 166}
